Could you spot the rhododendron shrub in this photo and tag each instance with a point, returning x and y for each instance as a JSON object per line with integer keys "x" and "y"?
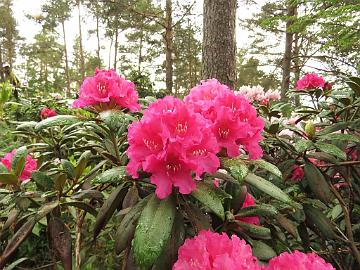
{"x": 298, "y": 261}
{"x": 213, "y": 251}
{"x": 172, "y": 142}
{"x": 257, "y": 93}
{"x": 233, "y": 120}
{"x": 107, "y": 90}
{"x": 30, "y": 165}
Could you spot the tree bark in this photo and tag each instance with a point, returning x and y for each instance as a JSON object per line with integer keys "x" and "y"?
{"x": 219, "y": 43}
{"x": 1, "y": 65}
{"x": 168, "y": 38}
{"x": 116, "y": 47}
{"x": 286, "y": 62}
{"x": 98, "y": 39}
{"x": 66, "y": 61}
{"x": 82, "y": 61}
{"x": 140, "y": 51}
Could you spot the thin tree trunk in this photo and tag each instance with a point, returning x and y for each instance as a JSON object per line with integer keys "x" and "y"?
{"x": 1, "y": 65}
{"x": 140, "y": 51}
{"x": 82, "y": 61}
{"x": 286, "y": 63}
{"x": 111, "y": 43}
{"x": 219, "y": 43}
{"x": 66, "y": 61}
{"x": 98, "y": 39}
{"x": 168, "y": 38}
{"x": 116, "y": 47}
{"x": 297, "y": 67}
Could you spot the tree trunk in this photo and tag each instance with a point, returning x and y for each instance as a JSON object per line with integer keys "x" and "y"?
{"x": 140, "y": 51}
{"x": 219, "y": 43}
{"x": 297, "y": 67}
{"x": 168, "y": 38}
{"x": 82, "y": 61}
{"x": 98, "y": 40}
{"x": 286, "y": 62}
{"x": 1, "y": 65}
{"x": 116, "y": 47}
{"x": 66, "y": 61}
{"x": 111, "y": 43}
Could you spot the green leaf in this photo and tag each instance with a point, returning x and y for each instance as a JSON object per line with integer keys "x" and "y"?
{"x": 43, "y": 181}
{"x": 83, "y": 206}
{"x": 153, "y": 231}
{"x": 126, "y": 229}
{"x": 262, "y": 251}
{"x": 8, "y": 178}
{"x": 113, "y": 176}
{"x": 267, "y": 166}
{"x": 255, "y": 230}
{"x": 236, "y": 167}
{"x": 270, "y": 189}
{"x": 318, "y": 222}
{"x": 331, "y": 149}
{"x": 317, "y": 183}
{"x": 16, "y": 263}
{"x": 26, "y": 125}
{"x": 59, "y": 120}
{"x": 333, "y": 128}
{"x": 210, "y": 196}
{"x": 323, "y": 156}
{"x": 114, "y": 119}
{"x": 3, "y": 169}
{"x": 82, "y": 163}
{"x": 263, "y": 210}
{"x": 303, "y": 145}
{"x": 68, "y": 168}
{"x": 342, "y": 137}
{"x": 108, "y": 208}
{"x": 18, "y": 161}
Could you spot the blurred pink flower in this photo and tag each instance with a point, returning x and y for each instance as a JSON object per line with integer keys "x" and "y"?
{"x": 107, "y": 90}
{"x": 46, "y": 113}
{"x": 298, "y": 261}
{"x": 232, "y": 118}
{"x": 286, "y": 132}
{"x": 272, "y": 95}
{"x": 252, "y": 93}
{"x": 297, "y": 173}
{"x": 213, "y": 251}
{"x": 310, "y": 81}
{"x": 30, "y": 165}
{"x": 172, "y": 142}
{"x": 249, "y": 201}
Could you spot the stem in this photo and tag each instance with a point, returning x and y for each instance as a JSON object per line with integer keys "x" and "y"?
{"x": 113, "y": 140}
{"x": 349, "y": 232}
{"x": 80, "y": 220}
{"x": 345, "y": 163}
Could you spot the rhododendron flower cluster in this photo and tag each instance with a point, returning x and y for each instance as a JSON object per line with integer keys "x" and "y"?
{"x": 172, "y": 142}
{"x": 107, "y": 90}
{"x": 30, "y": 165}
{"x": 257, "y": 93}
{"x": 232, "y": 118}
{"x": 310, "y": 81}
{"x": 297, "y": 173}
{"x": 213, "y": 251}
{"x": 298, "y": 261}
{"x": 249, "y": 201}
{"x": 47, "y": 112}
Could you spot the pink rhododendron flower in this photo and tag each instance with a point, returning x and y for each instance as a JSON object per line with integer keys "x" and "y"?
{"x": 46, "y": 113}
{"x": 297, "y": 173}
{"x": 316, "y": 162}
{"x": 292, "y": 121}
{"x": 265, "y": 102}
{"x": 298, "y": 261}
{"x": 310, "y": 81}
{"x": 30, "y": 165}
{"x": 107, "y": 90}
{"x": 286, "y": 132}
{"x": 252, "y": 93}
{"x": 213, "y": 251}
{"x": 232, "y": 118}
{"x": 327, "y": 86}
{"x": 272, "y": 95}
{"x": 249, "y": 201}
{"x": 172, "y": 142}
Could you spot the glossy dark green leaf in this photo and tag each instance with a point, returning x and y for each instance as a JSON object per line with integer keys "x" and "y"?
{"x": 43, "y": 181}
{"x": 331, "y": 149}
{"x": 262, "y": 251}
{"x": 8, "y": 178}
{"x": 59, "y": 120}
{"x": 153, "y": 231}
{"x": 113, "y": 176}
{"x": 83, "y": 206}
{"x": 18, "y": 161}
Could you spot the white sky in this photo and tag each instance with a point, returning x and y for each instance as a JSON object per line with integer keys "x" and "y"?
{"x": 28, "y": 28}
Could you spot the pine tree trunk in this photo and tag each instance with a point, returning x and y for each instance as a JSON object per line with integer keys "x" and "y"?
{"x": 111, "y": 43}
{"x": 116, "y": 47}
{"x": 140, "y": 51}
{"x": 168, "y": 38}
{"x": 219, "y": 43}
{"x": 82, "y": 61}
{"x": 1, "y": 65}
{"x": 286, "y": 63}
{"x": 98, "y": 39}
{"x": 297, "y": 67}
{"x": 66, "y": 61}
